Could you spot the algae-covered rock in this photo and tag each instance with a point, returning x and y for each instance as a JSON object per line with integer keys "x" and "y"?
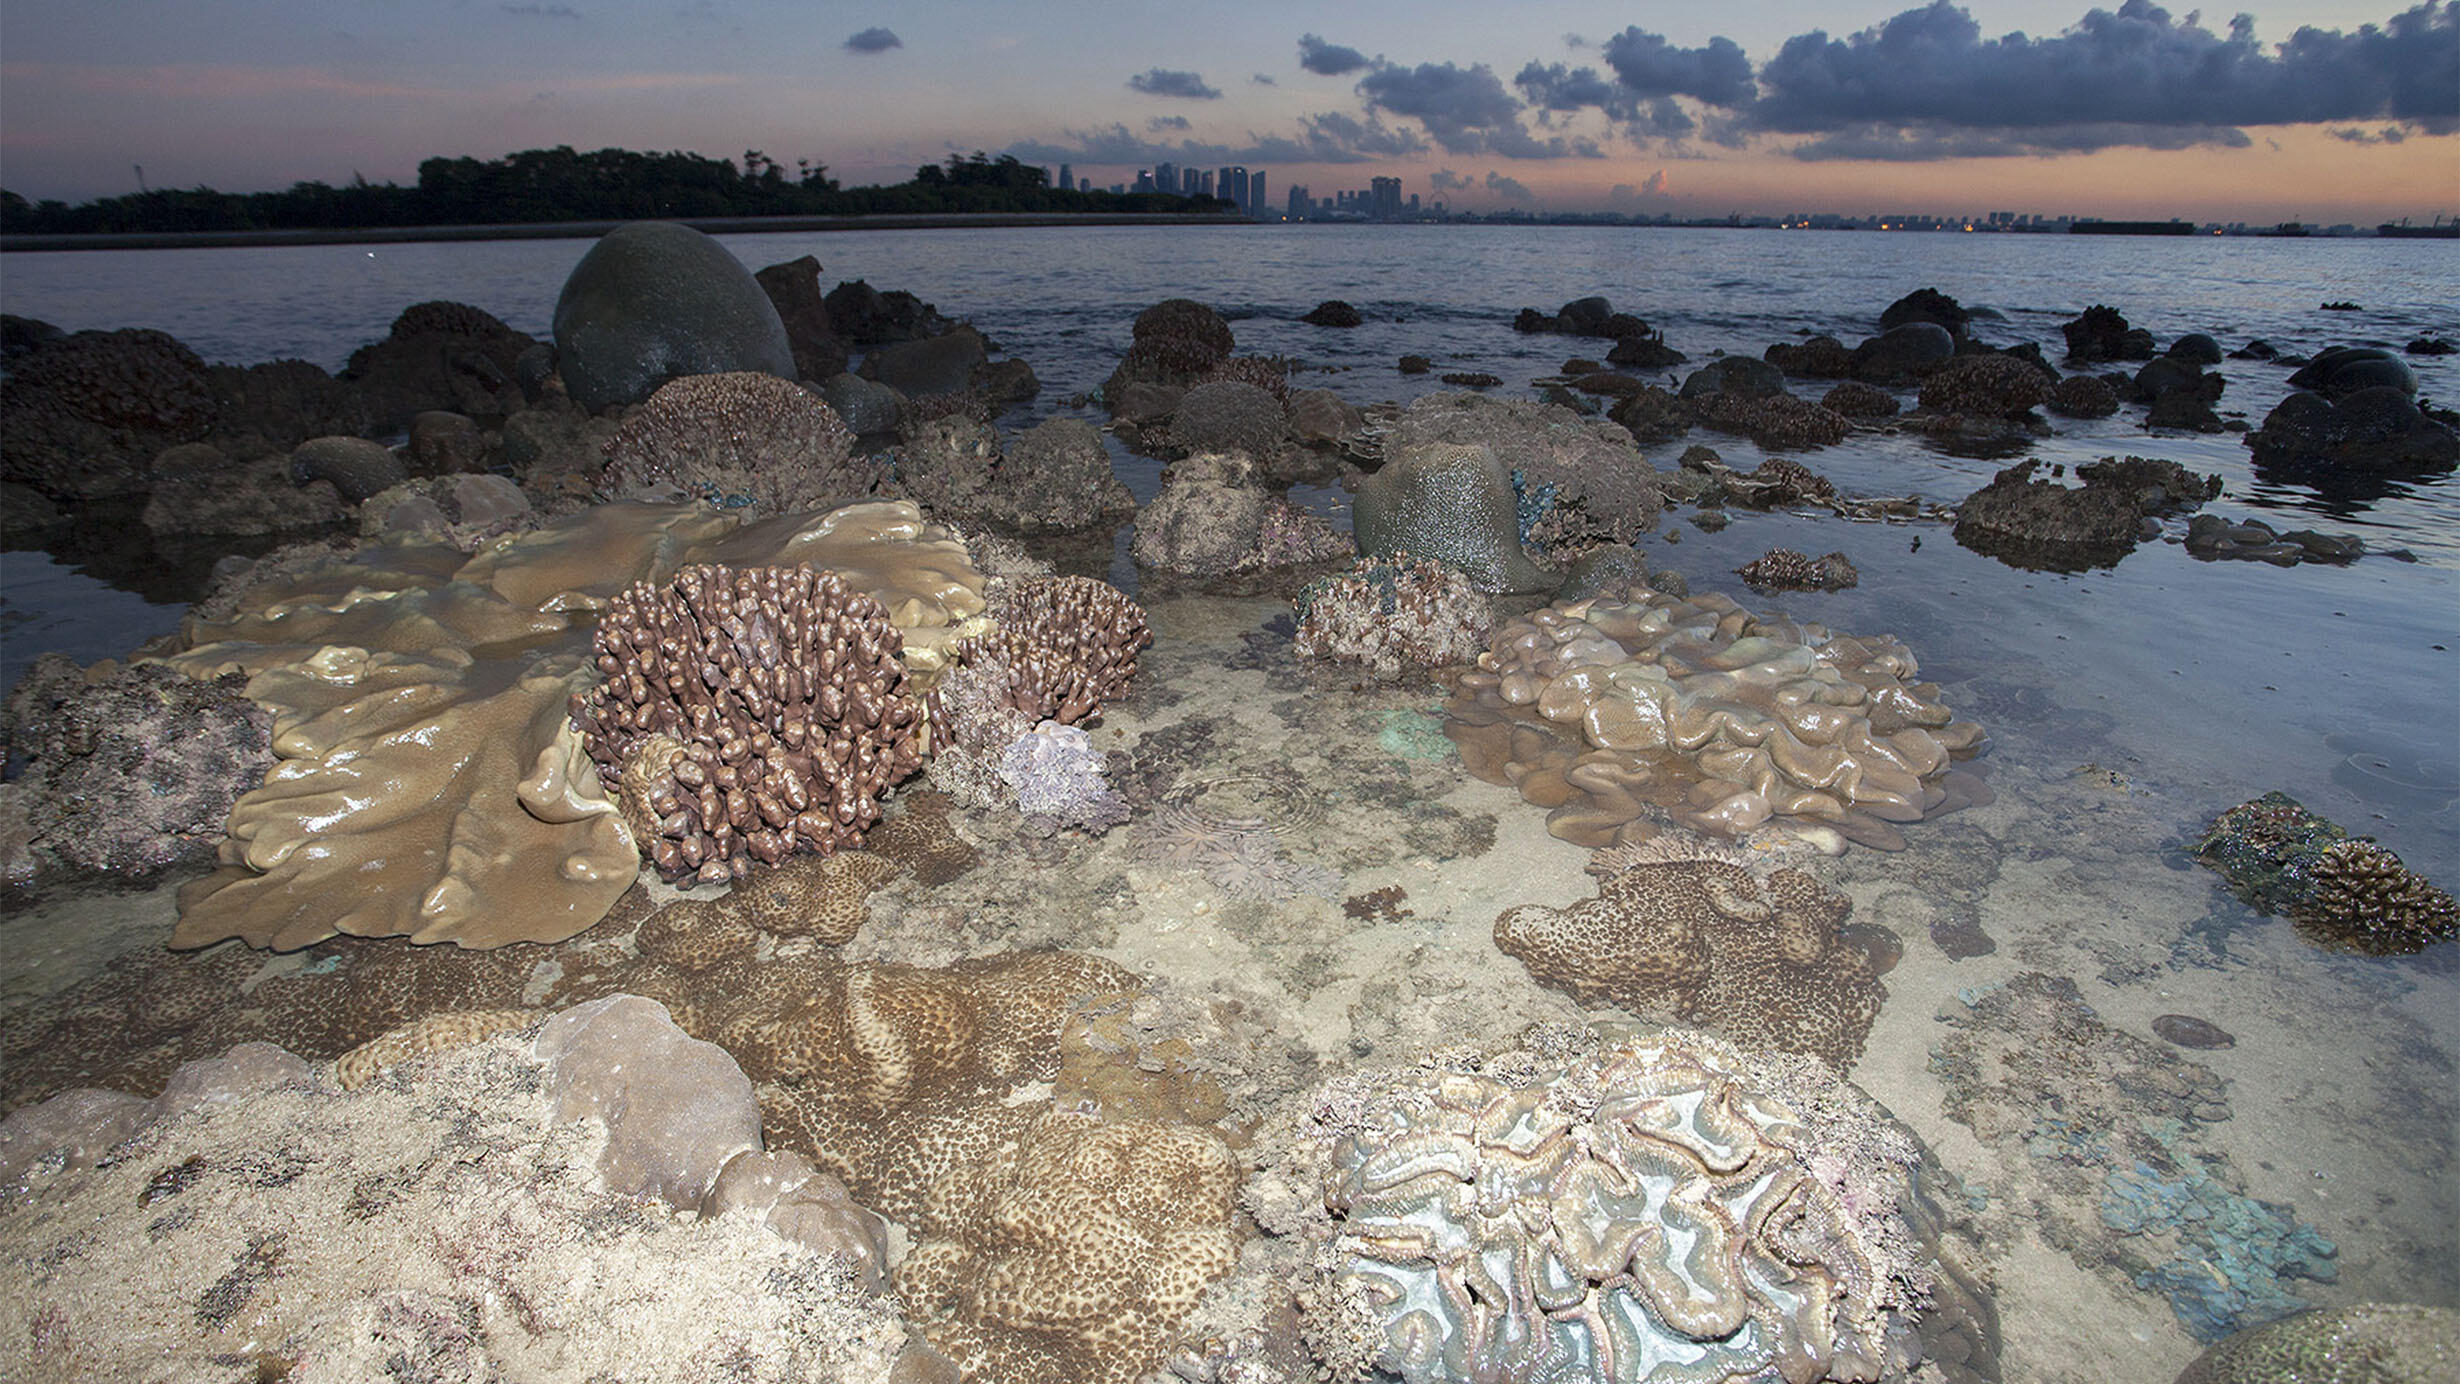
{"x": 654, "y": 300}
{"x": 2368, "y": 1343}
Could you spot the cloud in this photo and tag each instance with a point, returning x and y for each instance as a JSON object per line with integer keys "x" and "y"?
{"x": 1445, "y": 180}
{"x": 1510, "y": 189}
{"x": 1556, "y": 87}
{"x": 1162, "y": 81}
{"x": 1465, "y": 109}
{"x": 2389, "y": 134}
{"x": 1898, "y": 144}
{"x": 541, "y": 11}
{"x": 2130, "y": 77}
{"x": 1160, "y": 123}
{"x": 1332, "y": 137}
{"x": 1263, "y": 79}
{"x": 1652, "y": 186}
{"x": 874, "y": 41}
{"x": 1648, "y": 66}
{"x": 1328, "y": 59}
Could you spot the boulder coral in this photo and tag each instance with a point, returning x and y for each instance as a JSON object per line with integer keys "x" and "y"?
{"x": 745, "y": 714}
{"x": 1605, "y": 492}
{"x": 1451, "y": 503}
{"x": 431, "y": 782}
{"x": 1669, "y": 1209}
{"x": 654, "y": 300}
{"x": 1603, "y": 707}
{"x": 740, "y": 440}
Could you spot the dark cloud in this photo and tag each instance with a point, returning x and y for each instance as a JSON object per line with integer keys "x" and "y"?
{"x": 1465, "y": 109}
{"x": 1652, "y": 186}
{"x": 1161, "y": 81}
{"x": 874, "y": 41}
{"x": 1332, "y": 137}
{"x": 2132, "y": 77}
{"x": 541, "y": 11}
{"x": 1900, "y": 144}
{"x": 1160, "y": 123}
{"x": 1648, "y": 66}
{"x": 1510, "y": 189}
{"x": 2389, "y": 134}
{"x": 1328, "y": 59}
{"x": 1556, "y": 87}
{"x": 1263, "y": 79}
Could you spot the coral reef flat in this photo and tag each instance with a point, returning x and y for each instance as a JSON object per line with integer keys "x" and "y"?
{"x": 1386, "y": 952}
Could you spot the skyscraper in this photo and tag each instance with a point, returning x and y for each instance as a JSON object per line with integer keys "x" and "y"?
{"x": 1386, "y": 203}
{"x": 1256, "y": 203}
{"x": 1067, "y": 180}
{"x": 1165, "y": 177}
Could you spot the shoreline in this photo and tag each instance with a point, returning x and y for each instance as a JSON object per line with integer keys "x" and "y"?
{"x": 591, "y": 230}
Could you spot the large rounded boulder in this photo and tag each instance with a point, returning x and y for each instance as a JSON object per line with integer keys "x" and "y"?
{"x": 653, "y": 301}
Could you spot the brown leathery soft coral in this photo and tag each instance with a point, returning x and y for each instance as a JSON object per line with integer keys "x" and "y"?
{"x": 1707, "y": 942}
{"x": 749, "y": 713}
{"x": 738, "y": 439}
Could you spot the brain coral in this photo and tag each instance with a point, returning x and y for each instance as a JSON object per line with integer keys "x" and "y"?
{"x": 748, "y": 714}
{"x": 1394, "y": 615}
{"x": 1707, "y": 942}
{"x": 1652, "y": 1213}
{"x": 1598, "y": 706}
{"x": 738, "y": 439}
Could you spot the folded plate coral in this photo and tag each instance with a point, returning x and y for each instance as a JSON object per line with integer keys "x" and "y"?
{"x": 1601, "y": 707}
{"x": 431, "y": 783}
{"x": 1659, "y": 1211}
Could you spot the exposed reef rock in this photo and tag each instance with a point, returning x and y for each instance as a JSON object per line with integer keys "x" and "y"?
{"x": 742, "y": 440}
{"x": 1603, "y": 708}
{"x": 428, "y": 791}
{"x": 2041, "y": 525}
{"x": 2376, "y": 430}
{"x": 1670, "y": 1208}
{"x": 1177, "y": 342}
{"x": 794, "y": 290}
{"x": 1986, "y": 386}
{"x": 128, "y": 771}
{"x": 1054, "y": 478}
{"x": 1394, "y": 615}
{"x": 83, "y": 416}
{"x": 259, "y": 1222}
{"x": 439, "y": 355}
{"x": 2102, "y": 334}
{"x": 1705, "y": 941}
{"x": 1783, "y": 569}
{"x": 2367, "y": 1343}
{"x": 2344, "y": 892}
{"x": 1601, "y": 490}
{"x": 747, "y": 714}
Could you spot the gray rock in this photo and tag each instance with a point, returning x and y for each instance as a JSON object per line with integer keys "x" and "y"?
{"x": 940, "y": 364}
{"x": 236, "y": 1076}
{"x": 1734, "y": 375}
{"x": 443, "y": 443}
{"x": 654, "y": 300}
{"x": 865, "y": 406}
{"x": 676, "y": 1109}
{"x": 2344, "y": 370}
{"x": 70, "y": 1131}
{"x": 357, "y": 467}
{"x": 805, "y": 1206}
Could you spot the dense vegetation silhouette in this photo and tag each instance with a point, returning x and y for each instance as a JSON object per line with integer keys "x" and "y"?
{"x": 561, "y": 185}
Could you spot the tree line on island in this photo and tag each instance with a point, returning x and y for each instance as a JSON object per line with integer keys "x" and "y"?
{"x": 558, "y": 184}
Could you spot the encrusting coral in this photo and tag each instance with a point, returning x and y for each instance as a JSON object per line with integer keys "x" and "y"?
{"x": 431, "y": 782}
{"x": 1671, "y": 1209}
{"x": 1395, "y": 615}
{"x": 1706, "y": 941}
{"x": 748, "y": 714}
{"x": 1599, "y": 707}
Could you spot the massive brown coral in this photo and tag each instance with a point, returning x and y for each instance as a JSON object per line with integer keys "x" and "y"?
{"x": 739, "y": 439}
{"x": 1601, "y": 707}
{"x": 749, "y": 714}
{"x": 1706, "y": 941}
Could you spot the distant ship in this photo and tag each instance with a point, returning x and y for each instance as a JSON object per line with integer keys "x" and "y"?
{"x": 2402, "y": 230}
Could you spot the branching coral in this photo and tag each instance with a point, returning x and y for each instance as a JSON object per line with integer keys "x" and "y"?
{"x": 1059, "y": 648}
{"x": 749, "y": 714}
{"x": 1598, "y": 707}
{"x": 2344, "y": 892}
{"x": 1655, "y": 1212}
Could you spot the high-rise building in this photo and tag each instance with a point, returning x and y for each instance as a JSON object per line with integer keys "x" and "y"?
{"x": 1386, "y": 203}
{"x": 1144, "y": 180}
{"x": 1165, "y": 177}
{"x": 1204, "y": 181}
{"x": 1300, "y": 203}
{"x": 1067, "y": 180}
{"x": 1232, "y": 187}
{"x": 1256, "y": 203}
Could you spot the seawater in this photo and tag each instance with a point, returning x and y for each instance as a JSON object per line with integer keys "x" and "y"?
{"x": 2222, "y": 675}
{"x": 2127, "y": 706}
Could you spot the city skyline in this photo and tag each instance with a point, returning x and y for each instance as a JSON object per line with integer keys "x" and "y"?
{"x": 2308, "y": 110}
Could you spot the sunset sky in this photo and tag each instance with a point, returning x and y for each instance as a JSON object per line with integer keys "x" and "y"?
{"x": 2317, "y": 110}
